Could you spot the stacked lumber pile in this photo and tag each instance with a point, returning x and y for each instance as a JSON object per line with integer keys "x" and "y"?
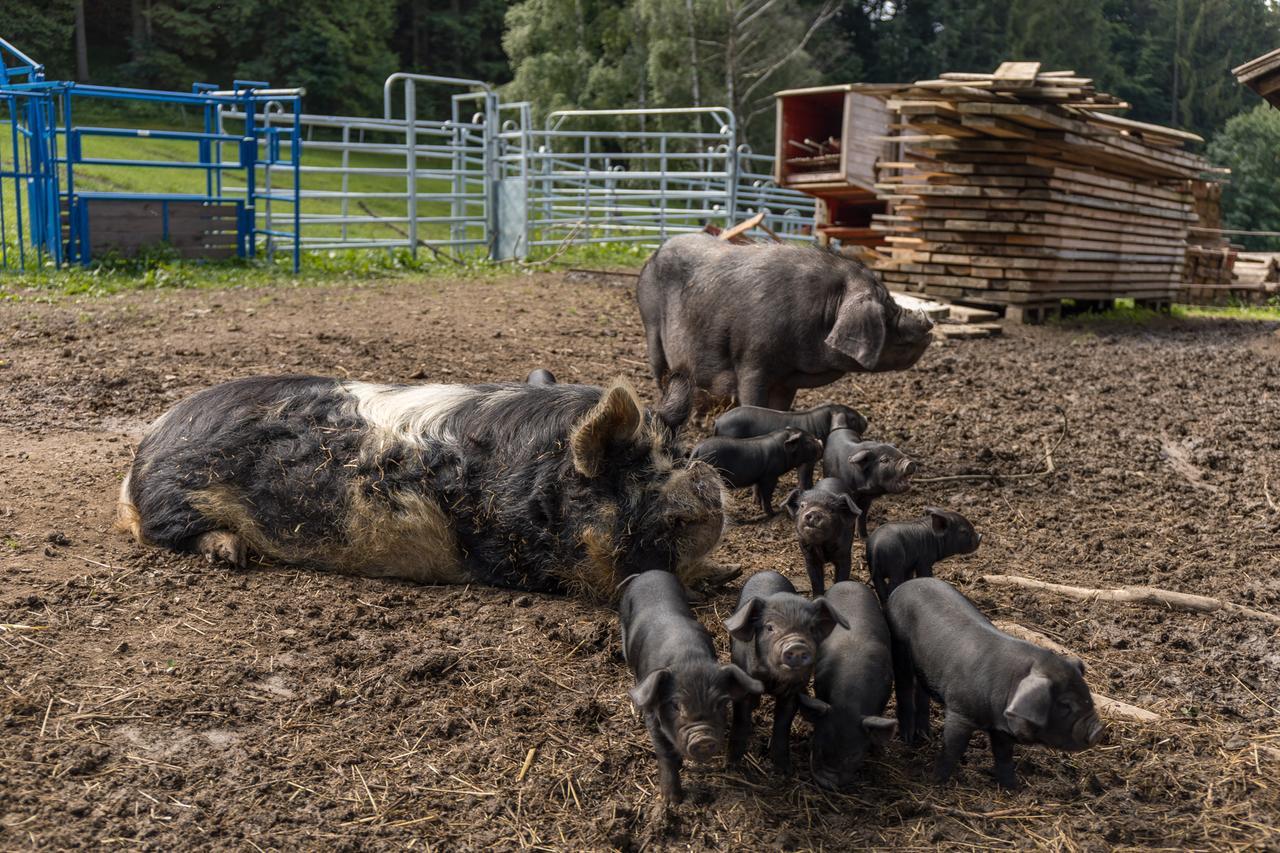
{"x": 1021, "y": 188}
{"x": 1208, "y": 272}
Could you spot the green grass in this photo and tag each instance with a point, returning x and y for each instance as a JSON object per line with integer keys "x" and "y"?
{"x": 1125, "y": 311}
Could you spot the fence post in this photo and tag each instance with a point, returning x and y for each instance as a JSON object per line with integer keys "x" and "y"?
{"x": 411, "y": 161}
{"x": 346, "y": 177}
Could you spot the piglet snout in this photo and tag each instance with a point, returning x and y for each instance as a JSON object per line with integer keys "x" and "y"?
{"x": 797, "y": 656}
{"x": 702, "y": 746}
{"x": 1096, "y": 731}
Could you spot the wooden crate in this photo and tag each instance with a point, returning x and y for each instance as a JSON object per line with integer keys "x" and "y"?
{"x": 847, "y": 125}
{"x": 192, "y": 228}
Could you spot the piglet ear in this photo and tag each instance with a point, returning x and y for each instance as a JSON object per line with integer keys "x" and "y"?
{"x": 1028, "y": 710}
{"x": 738, "y": 683}
{"x": 742, "y": 624}
{"x": 792, "y": 503}
{"x": 614, "y": 421}
{"x": 793, "y": 437}
{"x": 860, "y": 329}
{"x": 1077, "y": 663}
{"x": 879, "y": 729}
{"x": 938, "y": 518}
{"x": 645, "y": 694}
{"x": 860, "y": 457}
{"x": 813, "y": 709}
{"x": 828, "y": 618}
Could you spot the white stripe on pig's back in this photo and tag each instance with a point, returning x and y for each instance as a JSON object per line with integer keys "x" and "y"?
{"x": 413, "y": 415}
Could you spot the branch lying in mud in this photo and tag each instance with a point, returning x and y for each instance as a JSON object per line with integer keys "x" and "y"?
{"x": 1105, "y": 704}
{"x": 1046, "y": 465}
{"x": 1135, "y": 595}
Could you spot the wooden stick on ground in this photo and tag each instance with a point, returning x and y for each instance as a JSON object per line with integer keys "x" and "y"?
{"x": 1105, "y": 704}
{"x": 1135, "y": 595}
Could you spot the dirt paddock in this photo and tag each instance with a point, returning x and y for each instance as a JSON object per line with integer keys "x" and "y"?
{"x": 150, "y": 700}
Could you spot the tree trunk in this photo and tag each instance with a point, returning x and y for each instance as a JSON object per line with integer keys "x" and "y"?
{"x": 138, "y": 20}
{"x": 693, "y": 64}
{"x": 82, "y": 45}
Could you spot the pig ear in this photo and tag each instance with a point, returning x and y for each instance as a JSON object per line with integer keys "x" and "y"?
{"x": 828, "y": 618}
{"x": 645, "y": 694}
{"x": 614, "y": 421}
{"x": 859, "y": 331}
{"x": 793, "y": 436}
{"x": 738, "y": 683}
{"x": 938, "y": 517}
{"x": 857, "y": 458}
{"x": 792, "y": 503}
{"x": 813, "y": 709}
{"x": 1028, "y": 710}
{"x": 879, "y": 729}
{"x": 741, "y": 625}
{"x": 1077, "y": 663}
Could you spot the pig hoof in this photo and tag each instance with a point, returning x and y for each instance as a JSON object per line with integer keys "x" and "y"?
{"x": 1009, "y": 782}
{"x": 223, "y": 546}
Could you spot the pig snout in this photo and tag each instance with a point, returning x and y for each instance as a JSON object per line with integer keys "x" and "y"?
{"x": 797, "y": 654}
{"x": 1095, "y": 730}
{"x": 701, "y": 744}
{"x": 813, "y": 519}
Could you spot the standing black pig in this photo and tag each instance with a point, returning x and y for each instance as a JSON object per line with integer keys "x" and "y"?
{"x": 681, "y": 689}
{"x": 747, "y": 421}
{"x": 760, "y": 461}
{"x": 539, "y": 487}
{"x": 902, "y": 550}
{"x": 868, "y": 469}
{"x": 758, "y": 322}
{"x": 775, "y": 635}
{"x": 853, "y": 676}
{"x": 1013, "y": 690}
{"x": 540, "y": 376}
{"x": 825, "y": 516}
{"x": 752, "y": 421}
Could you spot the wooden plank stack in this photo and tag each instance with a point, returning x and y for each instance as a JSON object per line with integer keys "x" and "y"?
{"x": 1020, "y": 189}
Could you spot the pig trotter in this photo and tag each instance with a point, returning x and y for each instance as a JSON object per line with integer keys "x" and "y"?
{"x": 1002, "y": 753}
{"x": 904, "y": 689}
{"x": 816, "y": 570}
{"x": 739, "y": 731}
{"x": 669, "y": 763}
{"x": 784, "y": 712}
{"x": 222, "y": 546}
{"x": 922, "y": 727}
{"x": 764, "y": 494}
{"x": 805, "y": 473}
{"x": 956, "y": 732}
{"x": 844, "y": 567}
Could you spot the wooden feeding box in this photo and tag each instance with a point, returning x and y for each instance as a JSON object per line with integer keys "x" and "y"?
{"x": 829, "y": 140}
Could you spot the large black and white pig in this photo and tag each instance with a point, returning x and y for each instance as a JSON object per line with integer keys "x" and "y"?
{"x": 757, "y": 322}
{"x": 538, "y": 487}
{"x": 988, "y": 681}
{"x": 854, "y": 677}
{"x": 681, "y": 689}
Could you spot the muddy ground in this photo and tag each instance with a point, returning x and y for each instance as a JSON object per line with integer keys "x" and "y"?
{"x": 150, "y": 700}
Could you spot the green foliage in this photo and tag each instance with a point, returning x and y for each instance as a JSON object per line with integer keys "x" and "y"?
{"x": 1250, "y": 147}
{"x": 42, "y": 29}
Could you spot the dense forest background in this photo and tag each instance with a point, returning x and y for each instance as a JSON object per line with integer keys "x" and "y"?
{"x": 1170, "y": 59}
